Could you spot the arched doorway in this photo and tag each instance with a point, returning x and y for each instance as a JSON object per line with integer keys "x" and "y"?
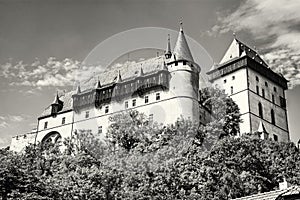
{"x": 51, "y": 139}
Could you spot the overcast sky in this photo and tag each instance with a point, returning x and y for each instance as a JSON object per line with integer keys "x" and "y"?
{"x": 42, "y": 42}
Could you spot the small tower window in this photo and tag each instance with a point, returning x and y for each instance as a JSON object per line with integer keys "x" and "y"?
{"x": 225, "y": 80}
{"x": 45, "y": 125}
{"x": 157, "y": 96}
{"x": 87, "y": 114}
{"x": 257, "y": 90}
{"x": 257, "y": 79}
{"x": 266, "y": 84}
{"x": 263, "y": 93}
{"x": 106, "y": 109}
{"x": 231, "y": 89}
{"x": 260, "y": 110}
{"x": 275, "y": 89}
{"x": 233, "y": 77}
{"x": 63, "y": 120}
{"x": 99, "y": 129}
{"x": 273, "y": 98}
{"x": 133, "y": 102}
{"x": 272, "y": 117}
{"x": 275, "y": 137}
{"x": 126, "y": 104}
{"x": 146, "y": 99}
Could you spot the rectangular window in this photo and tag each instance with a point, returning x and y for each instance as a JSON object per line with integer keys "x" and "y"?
{"x": 45, "y": 125}
{"x": 275, "y": 137}
{"x": 257, "y": 79}
{"x": 263, "y": 93}
{"x": 176, "y": 63}
{"x": 157, "y": 96}
{"x": 275, "y": 89}
{"x": 63, "y": 120}
{"x": 146, "y": 99}
{"x": 266, "y": 84}
{"x": 225, "y": 80}
{"x": 184, "y": 62}
{"x": 133, "y": 102}
{"x": 87, "y": 114}
{"x": 99, "y": 129}
{"x": 233, "y": 77}
{"x": 282, "y": 102}
{"x": 273, "y": 98}
{"x": 231, "y": 89}
{"x": 126, "y": 104}
{"x": 106, "y": 109}
{"x": 257, "y": 90}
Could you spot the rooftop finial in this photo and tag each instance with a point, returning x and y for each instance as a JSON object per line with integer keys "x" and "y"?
{"x": 234, "y": 35}
{"x": 181, "y": 24}
{"x": 168, "y": 52}
{"x": 78, "y": 90}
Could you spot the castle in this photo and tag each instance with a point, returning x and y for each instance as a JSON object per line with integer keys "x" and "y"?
{"x": 165, "y": 88}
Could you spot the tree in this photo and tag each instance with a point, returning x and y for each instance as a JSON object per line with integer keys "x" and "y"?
{"x": 222, "y": 108}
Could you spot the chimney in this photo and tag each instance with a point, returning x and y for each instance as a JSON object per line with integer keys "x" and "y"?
{"x": 284, "y": 185}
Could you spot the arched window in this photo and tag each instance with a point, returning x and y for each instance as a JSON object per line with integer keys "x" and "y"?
{"x": 272, "y": 117}
{"x": 260, "y": 110}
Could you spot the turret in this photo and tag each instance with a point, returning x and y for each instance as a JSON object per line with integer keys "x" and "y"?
{"x": 184, "y": 76}
{"x": 56, "y": 106}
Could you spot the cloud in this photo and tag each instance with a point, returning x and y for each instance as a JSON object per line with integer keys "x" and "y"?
{"x": 52, "y": 73}
{"x": 3, "y": 124}
{"x": 275, "y": 25}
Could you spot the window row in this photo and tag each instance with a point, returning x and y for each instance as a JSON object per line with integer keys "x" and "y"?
{"x": 266, "y": 84}
{"x": 106, "y": 110}
{"x": 233, "y": 78}
{"x": 146, "y": 100}
{"x": 261, "y": 113}
{"x": 63, "y": 121}
{"x": 281, "y": 99}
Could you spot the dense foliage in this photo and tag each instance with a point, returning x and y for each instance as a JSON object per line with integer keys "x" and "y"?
{"x": 140, "y": 160}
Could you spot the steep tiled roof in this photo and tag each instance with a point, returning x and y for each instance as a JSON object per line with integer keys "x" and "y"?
{"x": 181, "y": 49}
{"x": 273, "y": 195}
{"x": 127, "y": 72}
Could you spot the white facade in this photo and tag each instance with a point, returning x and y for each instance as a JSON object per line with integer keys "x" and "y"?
{"x": 165, "y": 88}
{"x": 257, "y": 90}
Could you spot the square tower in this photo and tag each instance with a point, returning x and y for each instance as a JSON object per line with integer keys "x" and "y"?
{"x": 257, "y": 90}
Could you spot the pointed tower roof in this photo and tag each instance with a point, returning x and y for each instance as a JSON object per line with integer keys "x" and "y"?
{"x": 119, "y": 78}
{"x": 56, "y": 99}
{"x": 141, "y": 72}
{"x": 168, "y": 52}
{"x": 181, "y": 49}
{"x": 98, "y": 84}
{"x": 239, "y": 49}
{"x": 78, "y": 90}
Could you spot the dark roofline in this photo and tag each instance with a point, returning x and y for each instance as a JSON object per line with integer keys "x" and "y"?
{"x": 123, "y": 82}
{"x": 246, "y": 61}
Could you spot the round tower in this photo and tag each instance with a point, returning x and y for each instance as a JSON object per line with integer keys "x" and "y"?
{"x": 184, "y": 77}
